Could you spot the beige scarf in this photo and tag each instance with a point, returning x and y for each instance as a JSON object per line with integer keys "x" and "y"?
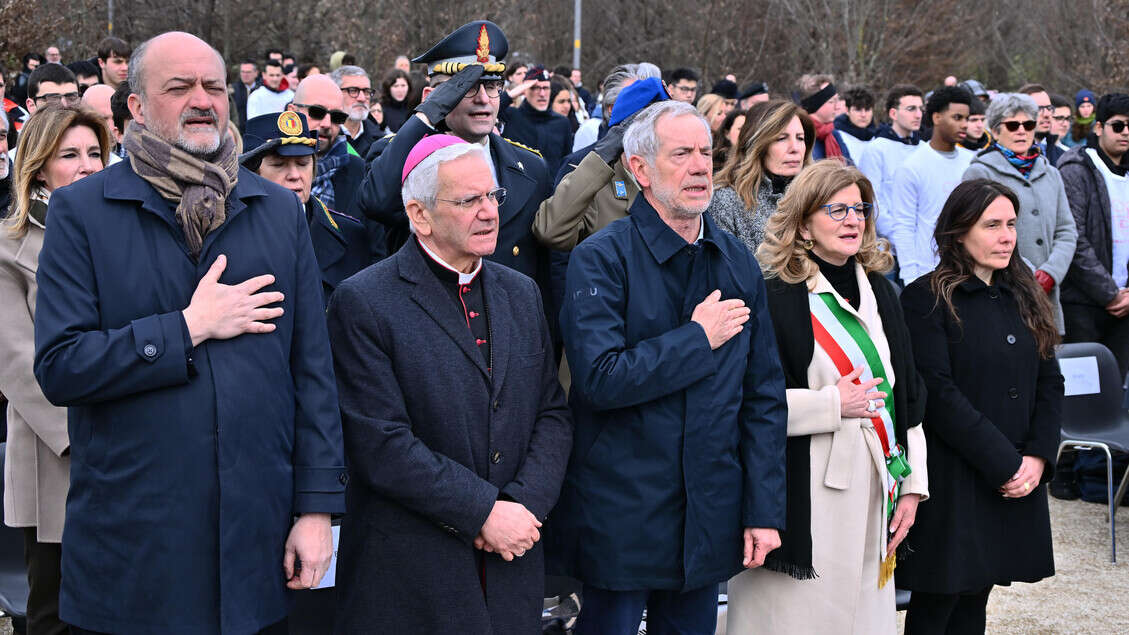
{"x": 198, "y": 187}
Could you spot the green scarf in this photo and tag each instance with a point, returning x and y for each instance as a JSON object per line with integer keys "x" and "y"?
{"x": 198, "y": 186}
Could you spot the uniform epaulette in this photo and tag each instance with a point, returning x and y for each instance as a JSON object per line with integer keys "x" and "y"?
{"x": 389, "y": 135}
{"x": 328, "y": 216}
{"x": 523, "y": 146}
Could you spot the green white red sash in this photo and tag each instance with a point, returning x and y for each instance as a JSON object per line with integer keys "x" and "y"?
{"x": 847, "y": 343}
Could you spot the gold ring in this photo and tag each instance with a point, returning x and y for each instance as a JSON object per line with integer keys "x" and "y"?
{"x": 1026, "y": 486}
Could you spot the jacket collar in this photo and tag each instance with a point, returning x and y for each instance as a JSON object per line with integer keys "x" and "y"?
{"x": 996, "y": 160}
{"x": 886, "y": 131}
{"x": 976, "y": 285}
{"x": 661, "y": 240}
{"x": 123, "y": 184}
{"x": 843, "y": 124}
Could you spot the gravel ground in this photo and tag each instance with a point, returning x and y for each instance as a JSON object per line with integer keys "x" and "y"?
{"x": 1087, "y": 594}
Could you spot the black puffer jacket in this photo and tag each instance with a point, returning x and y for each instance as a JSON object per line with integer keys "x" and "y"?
{"x": 1088, "y": 280}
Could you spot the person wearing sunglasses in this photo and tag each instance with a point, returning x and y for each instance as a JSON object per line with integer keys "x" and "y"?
{"x": 52, "y": 85}
{"x": 1047, "y": 234}
{"x": 856, "y": 467}
{"x": 340, "y": 169}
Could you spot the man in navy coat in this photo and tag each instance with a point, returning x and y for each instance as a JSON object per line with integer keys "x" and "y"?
{"x": 676, "y": 479}
{"x": 456, "y": 427}
{"x": 180, "y": 319}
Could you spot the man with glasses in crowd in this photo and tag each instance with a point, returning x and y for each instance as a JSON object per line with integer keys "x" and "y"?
{"x": 1044, "y": 138}
{"x": 683, "y": 85}
{"x": 340, "y": 170}
{"x": 360, "y": 127}
{"x": 465, "y": 74}
{"x": 534, "y": 124}
{"x": 892, "y": 143}
{"x": 51, "y": 85}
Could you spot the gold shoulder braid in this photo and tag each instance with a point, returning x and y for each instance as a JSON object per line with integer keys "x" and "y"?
{"x": 523, "y": 147}
{"x": 325, "y": 210}
{"x": 450, "y": 68}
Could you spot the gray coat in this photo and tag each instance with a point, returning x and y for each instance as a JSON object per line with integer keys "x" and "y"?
{"x": 1045, "y": 225}
{"x": 729, "y": 212}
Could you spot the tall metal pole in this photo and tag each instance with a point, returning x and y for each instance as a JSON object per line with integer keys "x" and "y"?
{"x": 576, "y": 35}
{"x": 110, "y": 22}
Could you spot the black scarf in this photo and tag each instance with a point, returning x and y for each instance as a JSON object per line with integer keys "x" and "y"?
{"x": 779, "y": 183}
{"x": 843, "y": 124}
{"x": 791, "y": 319}
{"x": 1117, "y": 168}
{"x": 886, "y": 131}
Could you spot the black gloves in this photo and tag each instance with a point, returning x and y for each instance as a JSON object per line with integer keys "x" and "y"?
{"x": 447, "y": 95}
{"x": 611, "y": 145}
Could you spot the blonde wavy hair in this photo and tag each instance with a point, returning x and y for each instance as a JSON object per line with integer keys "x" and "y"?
{"x": 744, "y": 169}
{"x": 782, "y": 254}
{"x": 39, "y": 140}
{"x": 708, "y": 104}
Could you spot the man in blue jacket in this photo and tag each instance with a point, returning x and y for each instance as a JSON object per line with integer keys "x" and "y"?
{"x": 180, "y": 319}
{"x": 676, "y": 479}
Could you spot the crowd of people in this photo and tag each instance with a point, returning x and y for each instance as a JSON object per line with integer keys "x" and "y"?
{"x": 498, "y": 326}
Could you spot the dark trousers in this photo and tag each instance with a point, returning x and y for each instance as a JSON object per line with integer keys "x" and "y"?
{"x": 668, "y": 612}
{"x": 1088, "y": 323}
{"x": 947, "y": 614}
{"x": 278, "y": 628}
{"x": 43, "y": 576}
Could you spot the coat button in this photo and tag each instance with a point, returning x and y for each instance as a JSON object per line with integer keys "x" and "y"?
{"x": 1038, "y": 241}
{"x": 1010, "y": 338}
{"x": 149, "y": 350}
{"x": 1013, "y": 393}
{"x": 343, "y": 478}
{"x": 1035, "y": 212}
{"x": 496, "y": 457}
{"x": 497, "y": 404}
{"x": 516, "y": 250}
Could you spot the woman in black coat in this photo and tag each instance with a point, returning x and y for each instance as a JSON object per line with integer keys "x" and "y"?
{"x": 983, "y": 336}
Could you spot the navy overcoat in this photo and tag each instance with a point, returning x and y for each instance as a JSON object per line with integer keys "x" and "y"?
{"x": 184, "y": 477}
{"x": 434, "y": 438}
{"x": 677, "y": 447}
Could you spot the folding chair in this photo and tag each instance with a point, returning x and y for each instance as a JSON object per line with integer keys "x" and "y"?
{"x": 1096, "y": 418}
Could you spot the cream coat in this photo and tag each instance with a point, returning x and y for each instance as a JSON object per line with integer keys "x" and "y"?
{"x": 848, "y": 516}
{"x": 36, "y": 474}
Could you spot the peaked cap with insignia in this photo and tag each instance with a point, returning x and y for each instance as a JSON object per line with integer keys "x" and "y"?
{"x": 480, "y": 42}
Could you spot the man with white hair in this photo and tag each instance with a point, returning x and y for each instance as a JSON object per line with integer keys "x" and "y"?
{"x": 456, "y": 428}
{"x": 185, "y": 332}
{"x": 677, "y": 477}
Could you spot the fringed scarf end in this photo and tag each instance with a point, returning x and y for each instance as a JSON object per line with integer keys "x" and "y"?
{"x": 886, "y": 571}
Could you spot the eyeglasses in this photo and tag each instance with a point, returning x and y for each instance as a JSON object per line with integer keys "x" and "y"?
{"x": 1047, "y": 107}
{"x": 539, "y": 89}
{"x": 686, "y": 89}
{"x": 1117, "y": 126}
{"x": 838, "y": 211}
{"x": 355, "y": 91}
{"x": 497, "y": 195}
{"x": 317, "y": 113}
{"x": 54, "y": 99}
{"x": 1062, "y": 117}
{"x": 493, "y": 88}
{"x": 1012, "y": 126}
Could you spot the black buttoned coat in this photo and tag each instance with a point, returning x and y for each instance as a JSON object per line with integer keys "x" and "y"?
{"x": 433, "y": 439}
{"x": 991, "y": 400}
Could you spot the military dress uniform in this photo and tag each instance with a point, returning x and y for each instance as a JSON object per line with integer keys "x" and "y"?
{"x": 517, "y": 168}
{"x": 341, "y": 243}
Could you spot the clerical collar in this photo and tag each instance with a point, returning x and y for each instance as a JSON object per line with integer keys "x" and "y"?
{"x": 460, "y": 277}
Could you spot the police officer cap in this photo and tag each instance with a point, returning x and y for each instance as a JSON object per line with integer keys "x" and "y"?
{"x": 284, "y": 133}
{"x": 480, "y": 42}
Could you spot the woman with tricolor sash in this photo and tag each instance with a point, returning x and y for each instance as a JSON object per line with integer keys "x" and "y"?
{"x": 983, "y": 333}
{"x": 856, "y": 465}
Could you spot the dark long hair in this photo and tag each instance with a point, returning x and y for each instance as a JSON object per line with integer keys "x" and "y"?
{"x": 390, "y": 78}
{"x": 961, "y": 212}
